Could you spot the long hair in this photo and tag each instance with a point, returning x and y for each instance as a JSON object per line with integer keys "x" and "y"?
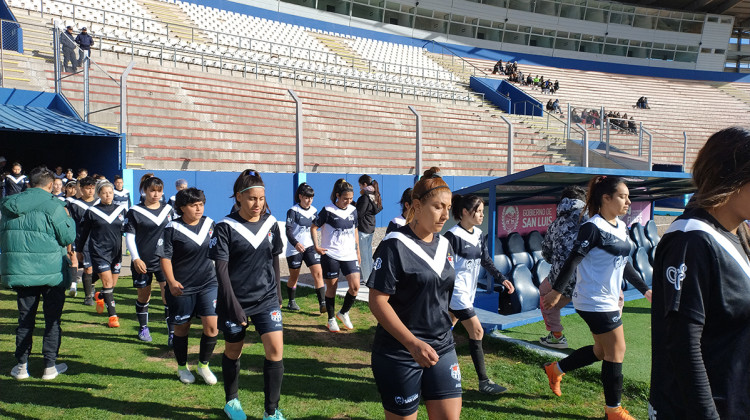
{"x": 428, "y": 185}
{"x": 304, "y": 189}
{"x": 340, "y": 187}
{"x": 249, "y": 178}
{"x": 722, "y": 167}
{"x": 599, "y": 186}
{"x": 405, "y": 199}
{"x": 468, "y": 202}
{"x": 368, "y": 181}
{"x": 149, "y": 181}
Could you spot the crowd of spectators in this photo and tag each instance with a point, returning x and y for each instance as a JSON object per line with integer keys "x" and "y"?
{"x": 642, "y": 103}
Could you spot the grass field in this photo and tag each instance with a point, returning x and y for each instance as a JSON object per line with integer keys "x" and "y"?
{"x": 112, "y": 375}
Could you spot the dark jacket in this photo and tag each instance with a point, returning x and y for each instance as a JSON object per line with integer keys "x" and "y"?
{"x": 366, "y": 211}
{"x": 67, "y": 41}
{"x": 85, "y": 41}
{"x": 34, "y": 228}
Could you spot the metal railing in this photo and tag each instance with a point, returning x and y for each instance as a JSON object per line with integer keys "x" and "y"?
{"x": 465, "y": 64}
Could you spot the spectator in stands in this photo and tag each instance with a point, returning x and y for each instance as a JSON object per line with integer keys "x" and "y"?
{"x": 574, "y": 117}
{"x": 34, "y": 229}
{"x": 498, "y": 67}
{"x": 85, "y": 42}
{"x": 631, "y": 126}
{"x": 368, "y": 205}
{"x": 529, "y": 80}
{"x": 556, "y": 86}
{"x": 700, "y": 316}
{"x": 69, "y": 50}
{"x": 549, "y": 107}
{"x": 556, "y": 107}
{"x": 546, "y": 87}
{"x": 535, "y": 82}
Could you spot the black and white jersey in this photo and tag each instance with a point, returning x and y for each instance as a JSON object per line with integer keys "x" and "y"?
{"x": 701, "y": 277}
{"x": 395, "y": 223}
{"x": 147, "y": 225}
{"x": 122, "y": 197}
{"x": 419, "y": 277}
{"x": 471, "y": 254}
{"x": 77, "y": 208}
{"x": 171, "y": 202}
{"x": 337, "y": 228}
{"x": 102, "y": 226}
{"x": 15, "y": 184}
{"x": 249, "y": 248}
{"x": 187, "y": 247}
{"x": 606, "y": 250}
{"x": 298, "y": 223}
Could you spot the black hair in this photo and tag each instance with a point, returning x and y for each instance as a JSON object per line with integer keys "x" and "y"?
{"x": 367, "y": 180}
{"x": 599, "y": 186}
{"x": 149, "y": 182}
{"x": 247, "y": 179}
{"x": 722, "y": 167}
{"x": 83, "y": 170}
{"x": 304, "y": 189}
{"x": 40, "y": 177}
{"x": 340, "y": 187}
{"x": 405, "y": 199}
{"x": 14, "y": 164}
{"x": 86, "y": 181}
{"x": 188, "y": 196}
{"x": 117, "y": 177}
{"x": 573, "y": 192}
{"x": 469, "y": 202}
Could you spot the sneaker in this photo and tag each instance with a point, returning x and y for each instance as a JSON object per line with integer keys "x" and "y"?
{"x": 617, "y": 413}
{"x": 234, "y": 410}
{"x": 51, "y": 373}
{"x": 20, "y": 371}
{"x": 292, "y": 306}
{"x": 490, "y": 387}
{"x": 145, "y": 334}
{"x": 276, "y": 416}
{"x": 73, "y": 290}
{"x": 323, "y": 308}
{"x": 344, "y": 318}
{"x": 99, "y": 303}
{"x": 551, "y": 341}
{"x": 204, "y": 372}
{"x": 114, "y": 322}
{"x": 554, "y": 377}
{"x": 88, "y": 301}
{"x": 170, "y": 340}
{"x": 183, "y": 372}
{"x": 333, "y": 326}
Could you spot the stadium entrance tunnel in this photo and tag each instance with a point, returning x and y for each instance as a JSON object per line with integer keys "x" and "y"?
{"x": 520, "y": 207}
{"x": 41, "y": 128}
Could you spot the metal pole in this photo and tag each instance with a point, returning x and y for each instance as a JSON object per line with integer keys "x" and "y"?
{"x": 585, "y": 145}
{"x": 650, "y": 149}
{"x": 418, "y": 163}
{"x": 124, "y": 98}
{"x": 56, "y": 55}
{"x": 606, "y": 153}
{"x": 85, "y": 85}
{"x": 509, "y": 166}
{"x": 300, "y": 165}
{"x": 684, "y": 152}
{"x": 567, "y": 126}
{"x": 2, "y": 57}
{"x": 640, "y": 139}
{"x": 601, "y": 125}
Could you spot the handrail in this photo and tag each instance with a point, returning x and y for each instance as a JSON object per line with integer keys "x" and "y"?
{"x": 250, "y": 40}
{"x": 455, "y": 54}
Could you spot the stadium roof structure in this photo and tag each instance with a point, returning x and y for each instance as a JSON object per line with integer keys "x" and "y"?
{"x": 43, "y": 112}
{"x": 740, "y": 9}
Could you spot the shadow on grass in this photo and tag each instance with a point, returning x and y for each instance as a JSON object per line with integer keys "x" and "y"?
{"x": 636, "y": 310}
{"x": 520, "y": 411}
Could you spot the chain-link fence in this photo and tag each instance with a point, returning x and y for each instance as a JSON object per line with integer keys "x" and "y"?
{"x": 12, "y": 45}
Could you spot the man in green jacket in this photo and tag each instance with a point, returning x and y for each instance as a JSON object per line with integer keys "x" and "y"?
{"x": 34, "y": 230}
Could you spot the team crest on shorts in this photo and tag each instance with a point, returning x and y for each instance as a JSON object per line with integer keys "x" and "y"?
{"x": 118, "y": 266}
{"x": 276, "y": 315}
{"x": 455, "y": 372}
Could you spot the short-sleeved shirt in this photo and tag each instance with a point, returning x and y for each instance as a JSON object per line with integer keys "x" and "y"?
{"x": 701, "y": 272}
{"x": 77, "y": 208}
{"x": 469, "y": 250}
{"x": 395, "y": 223}
{"x": 101, "y": 229}
{"x": 122, "y": 197}
{"x": 419, "y": 277}
{"x": 606, "y": 249}
{"x": 337, "y": 227}
{"x": 187, "y": 247}
{"x": 249, "y": 248}
{"x": 147, "y": 225}
{"x": 300, "y": 220}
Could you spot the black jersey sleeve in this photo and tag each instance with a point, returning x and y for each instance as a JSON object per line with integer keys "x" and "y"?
{"x": 689, "y": 272}
{"x": 488, "y": 263}
{"x": 164, "y": 248}
{"x": 321, "y": 217}
{"x": 218, "y": 249}
{"x": 291, "y": 220}
{"x": 634, "y": 278}
{"x": 226, "y": 301}
{"x": 386, "y": 268}
{"x": 588, "y": 238}
{"x": 84, "y": 231}
{"x": 131, "y": 223}
{"x": 277, "y": 242}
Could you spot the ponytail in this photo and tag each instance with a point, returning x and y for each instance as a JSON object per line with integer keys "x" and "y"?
{"x": 368, "y": 181}
{"x": 340, "y": 187}
{"x": 600, "y": 186}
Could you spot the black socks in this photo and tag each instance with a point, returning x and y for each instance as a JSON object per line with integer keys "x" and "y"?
{"x": 291, "y": 291}
{"x": 578, "y": 359}
{"x": 88, "y": 285}
{"x": 141, "y": 311}
{"x": 206, "y": 348}
{"x": 170, "y": 327}
{"x": 320, "y": 291}
{"x": 273, "y": 373}
{"x": 109, "y": 300}
{"x": 230, "y": 370}
{"x": 331, "y": 306}
{"x": 348, "y": 302}
{"x": 477, "y": 356}
{"x": 180, "y": 349}
{"x": 612, "y": 382}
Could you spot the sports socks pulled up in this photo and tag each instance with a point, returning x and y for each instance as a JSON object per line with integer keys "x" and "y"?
{"x": 348, "y": 302}
{"x": 230, "y": 371}
{"x": 477, "y": 356}
{"x": 578, "y": 359}
{"x": 612, "y": 383}
{"x": 206, "y": 348}
{"x": 109, "y": 300}
{"x": 141, "y": 311}
{"x": 273, "y": 373}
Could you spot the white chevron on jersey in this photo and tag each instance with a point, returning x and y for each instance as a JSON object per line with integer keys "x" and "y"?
{"x": 687, "y": 225}
{"x": 437, "y": 263}
{"x": 156, "y": 219}
{"x": 197, "y": 238}
{"x": 109, "y": 218}
{"x": 255, "y": 239}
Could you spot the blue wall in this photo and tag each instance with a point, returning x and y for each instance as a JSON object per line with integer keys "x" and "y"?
{"x": 477, "y": 52}
{"x": 280, "y": 189}
{"x": 491, "y": 92}
{"x": 506, "y": 96}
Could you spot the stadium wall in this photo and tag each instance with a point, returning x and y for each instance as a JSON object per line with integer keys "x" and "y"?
{"x": 280, "y": 189}
{"x": 308, "y": 17}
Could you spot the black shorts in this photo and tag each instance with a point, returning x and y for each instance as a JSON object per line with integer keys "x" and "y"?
{"x": 401, "y": 382}
{"x": 331, "y": 267}
{"x": 309, "y": 256}
{"x": 102, "y": 264}
{"x": 144, "y": 280}
{"x": 267, "y": 321}
{"x": 183, "y": 308}
{"x": 463, "y": 314}
{"x": 86, "y": 262}
{"x": 601, "y": 322}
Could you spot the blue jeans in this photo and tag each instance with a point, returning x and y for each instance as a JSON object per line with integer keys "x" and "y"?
{"x": 365, "y": 252}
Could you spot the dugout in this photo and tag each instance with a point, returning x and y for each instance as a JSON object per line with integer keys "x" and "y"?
{"x": 526, "y": 201}
{"x": 41, "y": 128}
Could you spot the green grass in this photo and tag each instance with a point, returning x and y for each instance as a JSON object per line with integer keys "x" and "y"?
{"x": 112, "y": 375}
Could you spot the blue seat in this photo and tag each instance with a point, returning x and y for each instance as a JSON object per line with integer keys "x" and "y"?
{"x": 638, "y": 236}
{"x": 502, "y": 263}
{"x": 526, "y": 296}
{"x": 643, "y": 266}
{"x": 516, "y": 250}
{"x": 534, "y": 245}
{"x": 540, "y": 271}
{"x": 651, "y": 233}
